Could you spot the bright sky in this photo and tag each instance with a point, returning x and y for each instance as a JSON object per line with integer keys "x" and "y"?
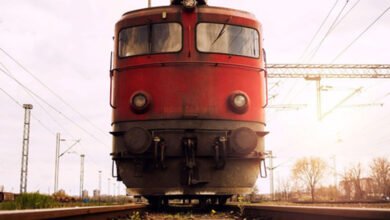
{"x": 67, "y": 44}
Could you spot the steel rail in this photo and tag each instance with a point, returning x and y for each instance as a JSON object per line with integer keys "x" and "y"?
{"x": 317, "y": 213}
{"x": 93, "y": 212}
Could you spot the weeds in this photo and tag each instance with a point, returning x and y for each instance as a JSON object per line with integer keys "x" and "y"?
{"x": 30, "y": 201}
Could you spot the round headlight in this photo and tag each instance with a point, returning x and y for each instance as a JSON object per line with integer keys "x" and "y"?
{"x": 140, "y": 102}
{"x": 238, "y": 102}
{"x": 189, "y": 4}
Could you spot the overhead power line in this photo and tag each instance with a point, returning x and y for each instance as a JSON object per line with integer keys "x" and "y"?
{"x": 51, "y": 91}
{"x": 318, "y": 30}
{"x": 52, "y": 107}
{"x": 360, "y": 35}
{"x": 347, "y": 13}
{"x": 332, "y": 26}
{"x": 20, "y": 105}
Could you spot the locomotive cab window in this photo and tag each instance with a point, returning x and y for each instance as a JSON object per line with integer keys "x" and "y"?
{"x": 150, "y": 39}
{"x": 227, "y": 39}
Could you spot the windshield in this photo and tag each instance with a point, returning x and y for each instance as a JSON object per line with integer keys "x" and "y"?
{"x": 228, "y": 39}
{"x": 150, "y": 39}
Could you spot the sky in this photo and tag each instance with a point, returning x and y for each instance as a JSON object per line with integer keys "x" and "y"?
{"x": 66, "y": 44}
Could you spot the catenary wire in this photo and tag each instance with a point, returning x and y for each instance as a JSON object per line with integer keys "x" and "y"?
{"x": 51, "y": 91}
{"x": 318, "y": 30}
{"x": 38, "y": 120}
{"x": 332, "y": 26}
{"x": 360, "y": 35}
{"x": 20, "y": 105}
{"x": 53, "y": 108}
{"x": 346, "y": 14}
{"x": 41, "y": 106}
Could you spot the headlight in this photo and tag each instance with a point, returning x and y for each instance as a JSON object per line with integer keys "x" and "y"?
{"x": 238, "y": 102}
{"x": 137, "y": 140}
{"x": 243, "y": 140}
{"x": 189, "y": 4}
{"x": 140, "y": 102}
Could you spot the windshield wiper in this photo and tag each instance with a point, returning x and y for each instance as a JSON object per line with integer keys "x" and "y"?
{"x": 150, "y": 36}
{"x": 221, "y": 32}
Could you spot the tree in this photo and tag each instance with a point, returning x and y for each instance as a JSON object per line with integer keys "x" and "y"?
{"x": 309, "y": 171}
{"x": 380, "y": 173}
{"x": 346, "y": 184}
{"x": 286, "y": 188}
{"x": 356, "y": 176}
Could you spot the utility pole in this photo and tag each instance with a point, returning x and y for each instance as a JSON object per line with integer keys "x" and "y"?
{"x": 333, "y": 157}
{"x": 57, "y": 164}
{"x": 271, "y": 173}
{"x": 114, "y": 188}
{"x": 58, "y": 156}
{"x": 149, "y": 3}
{"x": 319, "y": 107}
{"x": 26, "y": 140}
{"x": 81, "y": 175}
{"x": 108, "y": 186}
{"x": 100, "y": 181}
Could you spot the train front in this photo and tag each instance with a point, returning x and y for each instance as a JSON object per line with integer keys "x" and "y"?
{"x": 188, "y": 90}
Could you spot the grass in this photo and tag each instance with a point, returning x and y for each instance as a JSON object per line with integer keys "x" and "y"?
{"x": 39, "y": 201}
{"x": 29, "y": 201}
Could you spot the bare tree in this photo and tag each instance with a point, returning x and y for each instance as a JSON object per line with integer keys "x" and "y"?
{"x": 380, "y": 173}
{"x": 284, "y": 188}
{"x": 346, "y": 184}
{"x": 355, "y": 173}
{"x": 309, "y": 171}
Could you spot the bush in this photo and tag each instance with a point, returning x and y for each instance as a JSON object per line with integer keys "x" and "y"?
{"x": 9, "y": 205}
{"x": 34, "y": 201}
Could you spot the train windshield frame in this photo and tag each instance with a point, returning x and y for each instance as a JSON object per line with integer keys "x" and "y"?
{"x": 150, "y": 39}
{"x": 227, "y": 39}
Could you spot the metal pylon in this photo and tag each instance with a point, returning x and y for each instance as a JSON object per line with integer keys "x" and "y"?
{"x": 26, "y": 140}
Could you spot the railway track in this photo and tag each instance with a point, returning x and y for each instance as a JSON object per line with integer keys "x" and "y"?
{"x": 85, "y": 213}
{"x": 268, "y": 212}
{"x": 255, "y": 212}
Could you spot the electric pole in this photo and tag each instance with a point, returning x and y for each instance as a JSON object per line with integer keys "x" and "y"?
{"x": 81, "y": 175}
{"x": 57, "y": 164}
{"x": 26, "y": 140}
{"x": 149, "y": 3}
{"x": 58, "y": 156}
{"x": 271, "y": 173}
{"x": 333, "y": 157}
{"x": 100, "y": 181}
{"x": 108, "y": 186}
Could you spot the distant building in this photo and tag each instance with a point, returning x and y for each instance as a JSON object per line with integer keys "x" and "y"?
{"x": 1, "y": 188}
{"x": 96, "y": 193}
{"x": 85, "y": 194}
{"x": 7, "y": 196}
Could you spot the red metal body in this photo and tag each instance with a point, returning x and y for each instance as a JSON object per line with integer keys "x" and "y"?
{"x": 189, "y": 94}
{"x": 188, "y": 83}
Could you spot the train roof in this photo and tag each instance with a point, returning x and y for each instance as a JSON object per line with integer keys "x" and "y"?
{"x": 206, "y": 9}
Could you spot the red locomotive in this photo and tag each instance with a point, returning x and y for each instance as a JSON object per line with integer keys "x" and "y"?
{"x": 188, "y": 91}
